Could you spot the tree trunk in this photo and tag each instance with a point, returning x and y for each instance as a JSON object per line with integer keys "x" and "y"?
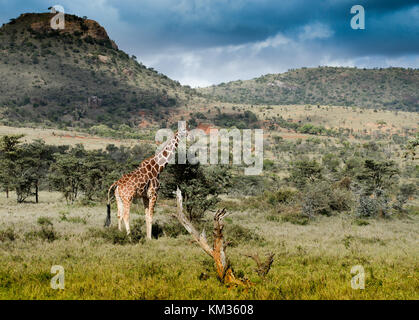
{"x": 7, "y": 192}
{"x": 36, "y": 192}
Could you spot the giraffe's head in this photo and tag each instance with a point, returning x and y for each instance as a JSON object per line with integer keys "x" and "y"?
{"x": 183, "y": 131}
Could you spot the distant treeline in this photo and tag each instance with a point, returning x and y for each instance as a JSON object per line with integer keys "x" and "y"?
{"x": 352, "y": 178}
{"x": 29, "y": 167}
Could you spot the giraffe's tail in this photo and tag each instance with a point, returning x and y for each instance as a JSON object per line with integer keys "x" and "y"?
{"x": 108, "y": 207}
{"x": 108, "y": 216}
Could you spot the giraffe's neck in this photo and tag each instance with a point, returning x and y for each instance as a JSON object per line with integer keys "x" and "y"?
{"x": 164, "y": 156}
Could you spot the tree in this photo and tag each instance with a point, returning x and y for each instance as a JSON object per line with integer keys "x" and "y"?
{"x": 377, "y": 176}
{"x": 411, "y": 147}
{"x": 331, "y": 162}
{"x": 34, "y": 160}
{"x": 200, "y": 187}
{"x": 305, "y": 171}
{"x": 68, "y": 173}
{"x": 24, "y": 175}
{"x": 406, "y": 191}
{"x": 96, "y": 179}
{"x": 9, "y": 146}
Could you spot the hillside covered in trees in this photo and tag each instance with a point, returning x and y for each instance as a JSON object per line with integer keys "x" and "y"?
{"x": 76, "y": 76}
{"x": 389, "y": 88}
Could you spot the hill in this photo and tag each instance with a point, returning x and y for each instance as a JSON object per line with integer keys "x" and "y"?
{"x": 77, "y": 77}
{"x": 390, "y": 88}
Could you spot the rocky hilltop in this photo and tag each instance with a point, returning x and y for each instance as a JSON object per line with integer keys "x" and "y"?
{"x": 77, "y": 76}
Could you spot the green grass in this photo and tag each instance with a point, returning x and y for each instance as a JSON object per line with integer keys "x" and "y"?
{"x": 159, "y": 270}
{"x": 312, "y": 261}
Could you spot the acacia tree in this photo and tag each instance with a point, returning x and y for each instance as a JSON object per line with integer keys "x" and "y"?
{"x": 9, "y": 147}
{"x": 68, "y": 172}
{"x": 24, "y": 166}
{"x": 200, "y": 187}
{"x": 305, "y": 171}
{"x": 376, "y": 179}
{"x": 377, "y": 176}
{"x": 411, "y": 147}
{"x": 34, "y": 162}
{"x": 25, "y": 175}
{"x": 99, "y": 175}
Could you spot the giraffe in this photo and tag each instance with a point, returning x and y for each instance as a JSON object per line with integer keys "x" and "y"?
{"x": 142, "y": 182}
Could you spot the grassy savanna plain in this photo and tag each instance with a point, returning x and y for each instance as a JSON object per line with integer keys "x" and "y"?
{"x": 313, "y": 260}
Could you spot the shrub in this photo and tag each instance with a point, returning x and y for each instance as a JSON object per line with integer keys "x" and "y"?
{"x": 372, "y": 207}
{"x": 8, "y": 234}
{"x": 249, "y": 185}
{"x": 377, "y": 176}
{"x": 169, "y": 229}
{"x": 361, "y": 222}
{"x": 237, "y": 234}
{"x": 323, "y": 198}
{"x": 340, "y": 200}
{"x": 77, "y": 220}
{"x": 282, "y": 196}
{"x": 44, "y": 221}
{"x": 295, "y": 218}
{"x": 46, "y": 232}
{"x": 114, "y": 236}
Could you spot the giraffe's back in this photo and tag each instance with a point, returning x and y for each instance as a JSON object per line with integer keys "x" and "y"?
{"x": 137, "y": 181}
{"x": 131, "y": 183}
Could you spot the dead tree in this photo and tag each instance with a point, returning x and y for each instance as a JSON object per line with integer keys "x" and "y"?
{"x": 217, "y": 251}
{"x": 262, "y": 268}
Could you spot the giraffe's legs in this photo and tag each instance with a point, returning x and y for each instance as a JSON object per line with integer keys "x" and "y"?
{"x": 146, "y": 204}
{"x": 152, "y": 198}
{"x": 127, "y": 206}
{"x": 120, "y": 208}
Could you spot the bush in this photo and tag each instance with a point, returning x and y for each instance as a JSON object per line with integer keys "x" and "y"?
{"x": 295, "y": 217}
{"x": 323, "y": 198}
{"x": 46, "y": 232}
{"x": 372, "y": 207}
{"x": 282, "y": 196}
{"x": 169, "y": 229}
{"x": 114, "y": 236}
{"x": 249, "y": 185}
{"x": 8, "y": 234}
{"x": 44, "y": 221}
{"x": 361, "y": 222}
{"x": 237, "y": 234}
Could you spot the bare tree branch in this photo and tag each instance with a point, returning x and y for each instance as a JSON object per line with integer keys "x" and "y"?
{"x": 262, "y": 268}
{"x": 199, "y": 238}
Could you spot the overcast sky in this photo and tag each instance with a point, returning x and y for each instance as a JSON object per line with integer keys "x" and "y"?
{"x": 204, "y": 42}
